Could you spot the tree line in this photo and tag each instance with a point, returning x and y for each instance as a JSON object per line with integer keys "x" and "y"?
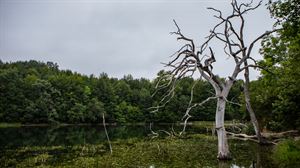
{"x": 37, "y": 92}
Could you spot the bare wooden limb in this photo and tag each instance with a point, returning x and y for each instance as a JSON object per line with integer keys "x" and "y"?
{"x": 153, "y": 133}
{"x": 257, "y": 39}
{"x": 182, "y": 37}
{"x": 285, "y": 134}
{"x": 231, "y": 102}
{"x": 156, "y": 134}
{"x": 108, "y": 140}
{"x": 187, "y": 115}
{"x": 242, "y": 135}
{"x": 269, "y": 137}
{"x": 254, "y": 66}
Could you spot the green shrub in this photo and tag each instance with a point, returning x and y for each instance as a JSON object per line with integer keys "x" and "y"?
{"x": 249, "y": 129}
{"x": 287, "y": 154}
{"x": 275, "y": 126}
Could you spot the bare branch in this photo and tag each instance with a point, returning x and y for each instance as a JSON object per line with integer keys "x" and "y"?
{"x": 104, "y": 125}
{"x": 182, "y": 37}
{"x": 255, "y": 66}
{"x": 248, "y": 6}
{"x": 231, "y": 102}
{"x": 187, "y": 116}
{"x": 259, "y": 38}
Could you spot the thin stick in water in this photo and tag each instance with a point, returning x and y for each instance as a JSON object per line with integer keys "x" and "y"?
{"x": 104, "y": 125}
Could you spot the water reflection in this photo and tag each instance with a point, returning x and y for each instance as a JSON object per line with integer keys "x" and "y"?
{"x": 65, "y": 135}
{"x": 13, "y": 137}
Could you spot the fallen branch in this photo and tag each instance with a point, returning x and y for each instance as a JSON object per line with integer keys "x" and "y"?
{"x": 278, "y": 135}
{"x": 242, "y": 135}
{"x": 268, "y": 137}
{"x": 252, "y": 138}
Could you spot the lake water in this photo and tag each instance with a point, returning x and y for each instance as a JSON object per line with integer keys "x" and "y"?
{"x": 245, "y": 153}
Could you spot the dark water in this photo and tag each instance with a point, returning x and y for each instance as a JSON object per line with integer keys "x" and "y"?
{"x": 65, "y": 135}
{"x": 14, "y": 137}
{"x": 245, "y": 154}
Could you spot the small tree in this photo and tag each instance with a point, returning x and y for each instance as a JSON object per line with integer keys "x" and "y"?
{"x": 189, "y": 60}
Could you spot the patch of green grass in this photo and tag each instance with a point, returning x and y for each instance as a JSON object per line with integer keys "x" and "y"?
{"x": 287, "y": 154}
{"x": 6, "y": 125}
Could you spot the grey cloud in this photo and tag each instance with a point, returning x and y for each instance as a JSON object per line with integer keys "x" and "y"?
{"x": 116, "y": 37}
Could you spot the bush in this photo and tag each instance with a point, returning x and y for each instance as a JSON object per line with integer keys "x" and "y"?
{"x": 287, "y": 154}
{"x": 249, "y": 129}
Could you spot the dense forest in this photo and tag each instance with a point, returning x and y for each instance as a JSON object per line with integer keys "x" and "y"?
{"x": 36, "y": 92}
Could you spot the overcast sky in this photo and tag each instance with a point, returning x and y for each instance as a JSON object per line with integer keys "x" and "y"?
{"x": 114, "y": 36}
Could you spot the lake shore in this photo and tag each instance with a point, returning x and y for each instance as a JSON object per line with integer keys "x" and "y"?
{"x": 202, "y": 123}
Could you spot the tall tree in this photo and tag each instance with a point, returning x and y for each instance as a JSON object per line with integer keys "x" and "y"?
{"x": 249, "y": 108}
{"x": 282, "y": 57}
{"x": 189, "y": 60}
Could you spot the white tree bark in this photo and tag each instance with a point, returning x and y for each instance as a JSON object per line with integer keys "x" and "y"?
{"x": 223, "y": 148}
{"x": 222, "y": 92}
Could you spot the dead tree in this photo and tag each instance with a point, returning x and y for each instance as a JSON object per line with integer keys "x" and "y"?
{"x": 189, "y": 60}
{"x": 249, "y": 108}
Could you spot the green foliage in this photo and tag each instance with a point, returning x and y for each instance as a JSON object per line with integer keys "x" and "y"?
{"x": 277, "y": 94}
{"x": 287, "y": 154}
{"x": 249, "y": 129}
{"x": 128, "y": 113}
{"x": 35, "y": 92}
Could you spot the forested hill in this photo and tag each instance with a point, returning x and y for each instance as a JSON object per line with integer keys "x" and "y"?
{"x": 37, "y": 92}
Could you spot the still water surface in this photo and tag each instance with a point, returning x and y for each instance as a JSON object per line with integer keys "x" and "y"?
{"x": 245, "y": 154}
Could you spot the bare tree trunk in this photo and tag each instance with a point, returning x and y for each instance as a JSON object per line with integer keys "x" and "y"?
{"x": 249, "y": 107}
{"x": 223, "y": 148}
{"x": 190, "y": 59}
